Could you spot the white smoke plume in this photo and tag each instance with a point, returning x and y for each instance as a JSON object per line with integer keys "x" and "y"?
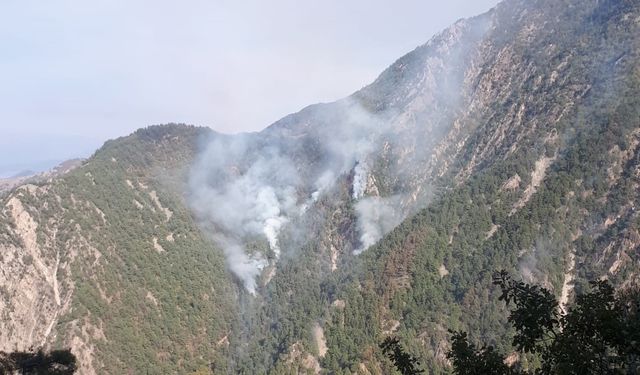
{"x": 238, "y": 199}
{"x": 254, "y": 186}
{"x": 250, "y": 186}
{"x": 360, "y": 176}
{"x": 244, "y": 266}
{"x": 376, "y": 217}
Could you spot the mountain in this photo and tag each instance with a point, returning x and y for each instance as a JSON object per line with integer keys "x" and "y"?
{"x": 106, "y": 260}
{"x": 510, "y": 140}
{"x": 27, "y": 176}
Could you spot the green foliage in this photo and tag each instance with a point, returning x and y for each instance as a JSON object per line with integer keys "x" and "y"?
{"x": 400, "y": 275}
{"x": 149, "y": 310}
{"x": 403, "y": 361}
{"x": 167, "y": 312}
{"x": 598, "y": 335}
{"x": 536, "y": 312}
{"x": 467, "y": 359}
{"x": 55, "y": 362}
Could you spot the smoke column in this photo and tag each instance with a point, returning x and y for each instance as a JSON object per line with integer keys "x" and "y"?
{"x": 250, "y": 186}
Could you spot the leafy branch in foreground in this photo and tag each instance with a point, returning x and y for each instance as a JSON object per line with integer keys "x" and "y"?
{"x": 600, "y": 334}
{"x": 468, "y": 359}
{"x": 404, "y": 362}
{"x": 55, "y": 362}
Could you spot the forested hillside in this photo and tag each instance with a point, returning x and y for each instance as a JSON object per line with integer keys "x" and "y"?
{"x": 508, "y": 141}
{"x": 108, "y": 261}
{"x": 536, "y": 172}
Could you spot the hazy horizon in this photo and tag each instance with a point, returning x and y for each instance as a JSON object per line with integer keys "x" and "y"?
{"x": 75, "y": 75}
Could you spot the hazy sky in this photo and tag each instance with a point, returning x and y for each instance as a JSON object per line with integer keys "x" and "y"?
{"x": 74, "y": 73}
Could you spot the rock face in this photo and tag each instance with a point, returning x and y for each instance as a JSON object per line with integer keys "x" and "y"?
{"x": 37, "y": 292}
{"x": 509, "y": 140}
{"x": 36, "y": 271}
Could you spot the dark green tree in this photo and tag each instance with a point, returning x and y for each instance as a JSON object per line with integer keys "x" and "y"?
{"x": 600, "y": 334}
{"x": 467, "y": 359}
{"x": 404, "y": 362}
{"x": 55, "y": 362}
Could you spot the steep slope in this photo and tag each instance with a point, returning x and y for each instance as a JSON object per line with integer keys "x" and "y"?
{"x": 510, "y": 140}
{"x": 547, "y": 186}
{"x": 516, "y": 129}
{"x": 108, "y": 261}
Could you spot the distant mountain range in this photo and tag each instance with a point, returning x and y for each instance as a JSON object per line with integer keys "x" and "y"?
{"x": 22, "y": 152}
{"x": 29, "y": 176}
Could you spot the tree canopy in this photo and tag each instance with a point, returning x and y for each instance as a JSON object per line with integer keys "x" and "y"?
{"x": 55, "y": 362}
{"x": 599, "y": 334}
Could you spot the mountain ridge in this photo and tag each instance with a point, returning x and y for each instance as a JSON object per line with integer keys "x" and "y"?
{"x": 508, "y": 141}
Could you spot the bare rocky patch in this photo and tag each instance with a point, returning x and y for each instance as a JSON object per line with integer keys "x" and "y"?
{"x": 157, "y": 246}
{"x": 537, "y": 176}
{"x": 567, "y": 284}
{"x": 321, "y": 342}
{"x": 167, "y": 212}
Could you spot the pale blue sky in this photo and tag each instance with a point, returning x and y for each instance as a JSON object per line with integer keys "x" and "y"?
{"x": 74, "y": 73}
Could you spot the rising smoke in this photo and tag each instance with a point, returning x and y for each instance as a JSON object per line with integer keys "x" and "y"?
{"x": 240, "y": 195}
{"x": 256, "y": 185}
{"x": 376, "y": 217}
{"x": 251, "y": 186}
